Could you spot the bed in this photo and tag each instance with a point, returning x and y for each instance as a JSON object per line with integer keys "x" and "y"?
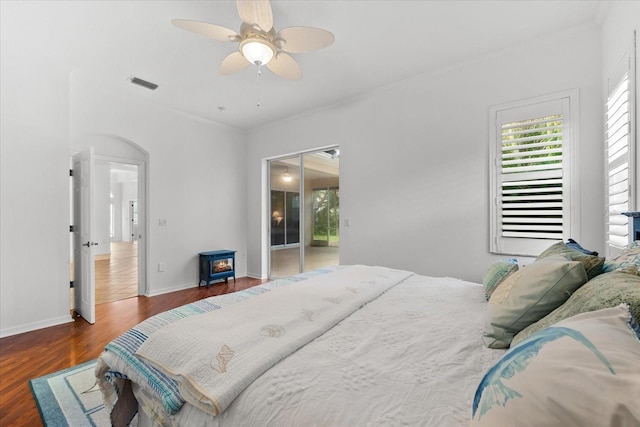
{"x": 413, "y": 353}
{"x": 342, "y": 346}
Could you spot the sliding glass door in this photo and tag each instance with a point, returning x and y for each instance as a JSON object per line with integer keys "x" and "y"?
{"x": 304, "y": 212}
{"x": 292, "y": 218}
{"x": 326, "y": 216}
{"x": 321, "y": 190}
{"x": 285, "y": 216}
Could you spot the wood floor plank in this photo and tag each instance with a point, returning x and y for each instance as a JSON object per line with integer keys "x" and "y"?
{"x": 116, "y": 276}
{"x": 34, "y": 354}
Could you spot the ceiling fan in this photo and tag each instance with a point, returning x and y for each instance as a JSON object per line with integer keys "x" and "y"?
{"x": 259, "y": 43}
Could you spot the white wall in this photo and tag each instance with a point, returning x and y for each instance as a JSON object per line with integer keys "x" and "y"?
{"x": 421, "y": 132}
{"x": 414, "y": 157}
{"x": 34, "y": 195}
{"x": 195, "y": 174}
{"x": 196, "y": 182}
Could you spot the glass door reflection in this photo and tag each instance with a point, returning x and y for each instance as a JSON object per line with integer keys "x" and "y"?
{"x": 326, "y": 216}
{"x": 321, "y": 209}
{"x": 285, "y": 217}
{"x": 304, "y": 212}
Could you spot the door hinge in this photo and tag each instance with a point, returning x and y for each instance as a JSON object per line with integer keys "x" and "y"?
{"x": 70, "y": 172}
{"x": 71, "y": 284}
{"x": 71, "y": 229}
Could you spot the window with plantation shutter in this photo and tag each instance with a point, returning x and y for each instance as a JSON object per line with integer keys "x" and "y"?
{"x": 619, "y": 143}
{"x": 531, "y": 180}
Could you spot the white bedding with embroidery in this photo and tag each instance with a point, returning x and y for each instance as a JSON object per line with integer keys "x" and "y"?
{"x": 214, "y": 356}
{"x": 412, "y": 356}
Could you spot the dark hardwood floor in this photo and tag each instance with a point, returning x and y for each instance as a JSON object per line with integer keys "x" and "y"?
{"x": 34, "y": 354}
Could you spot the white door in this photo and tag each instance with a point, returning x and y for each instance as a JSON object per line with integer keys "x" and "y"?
{"x": 84, "y": 264}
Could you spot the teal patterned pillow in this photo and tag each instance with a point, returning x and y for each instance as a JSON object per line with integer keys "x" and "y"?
{"x": 583, "y": 371}
{"x": 497, "y": 273}
{"x": 606, "y": 290}
{"x": 630, "y": 257}
{"x": 592, "y": 264}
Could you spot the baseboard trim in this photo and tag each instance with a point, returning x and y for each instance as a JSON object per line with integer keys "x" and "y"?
{"x": 28, "y": 327}
{"x": 256, "y": 276}
{"x": 163, "y": 291}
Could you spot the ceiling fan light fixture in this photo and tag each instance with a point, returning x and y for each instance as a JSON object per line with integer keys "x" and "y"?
{"x": 257, "y": 51}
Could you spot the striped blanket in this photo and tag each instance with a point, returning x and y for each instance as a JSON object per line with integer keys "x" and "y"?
{"x": 215, "y": 356}
{"x": 118, "y": 362}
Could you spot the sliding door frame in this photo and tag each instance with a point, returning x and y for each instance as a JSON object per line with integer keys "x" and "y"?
{"x": 300, "y": 155}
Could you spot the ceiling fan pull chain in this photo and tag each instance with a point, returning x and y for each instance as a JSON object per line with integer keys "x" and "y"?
{"x": 258, "y": 74}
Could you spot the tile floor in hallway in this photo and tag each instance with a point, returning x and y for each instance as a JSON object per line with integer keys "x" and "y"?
{"x": 285, "y": 262}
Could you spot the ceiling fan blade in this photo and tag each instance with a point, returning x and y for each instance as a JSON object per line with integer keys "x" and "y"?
{"x": 256, "y": 12}
{"x": 206, "y": 29}
{"x": 233, "y": 63}
{"x": 304, "y": 39}
{"x": 285, "y": 66}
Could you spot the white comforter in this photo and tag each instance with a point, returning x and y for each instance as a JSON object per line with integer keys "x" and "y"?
{"x": 412, "y": 357}
{"x": 214, "y": 356}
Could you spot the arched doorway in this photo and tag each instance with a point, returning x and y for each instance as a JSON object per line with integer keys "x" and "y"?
{"x": 119, "y": 210}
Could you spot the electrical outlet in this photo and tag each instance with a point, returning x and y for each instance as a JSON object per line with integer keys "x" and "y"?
{"x": 162, "y": 266}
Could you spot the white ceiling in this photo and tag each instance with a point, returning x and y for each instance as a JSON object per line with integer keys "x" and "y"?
{"x": 377, "y": 43}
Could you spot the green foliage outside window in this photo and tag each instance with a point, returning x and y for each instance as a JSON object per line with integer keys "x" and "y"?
{"x": 544, "y": 130}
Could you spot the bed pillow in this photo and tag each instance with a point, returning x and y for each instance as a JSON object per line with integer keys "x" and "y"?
{"x": 606, "y": 290}
{"x": 584, "y": 371}
{"x": 592, "y": 264}
{"x": 528, "y": 295}
{"x": 497, "y": 273}
{"x": 630, "y": 257}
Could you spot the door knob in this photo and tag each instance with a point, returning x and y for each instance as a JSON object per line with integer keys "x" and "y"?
{"x": 90, "y": 244}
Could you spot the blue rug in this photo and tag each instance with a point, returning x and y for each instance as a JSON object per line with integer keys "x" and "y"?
{"x": 70, "y": 397}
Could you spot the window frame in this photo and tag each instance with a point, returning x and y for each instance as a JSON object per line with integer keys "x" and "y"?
{"x": 569, "y": 100}
{"x": 626, "y": 67}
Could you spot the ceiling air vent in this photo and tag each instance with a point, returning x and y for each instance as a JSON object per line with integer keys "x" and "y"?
{"x": 143, "y": 83}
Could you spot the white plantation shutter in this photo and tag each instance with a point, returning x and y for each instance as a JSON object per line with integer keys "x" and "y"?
{"x": 619, "y": 165}
{"x": 531, "y": 186}
{"x": 531, "y": 178}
